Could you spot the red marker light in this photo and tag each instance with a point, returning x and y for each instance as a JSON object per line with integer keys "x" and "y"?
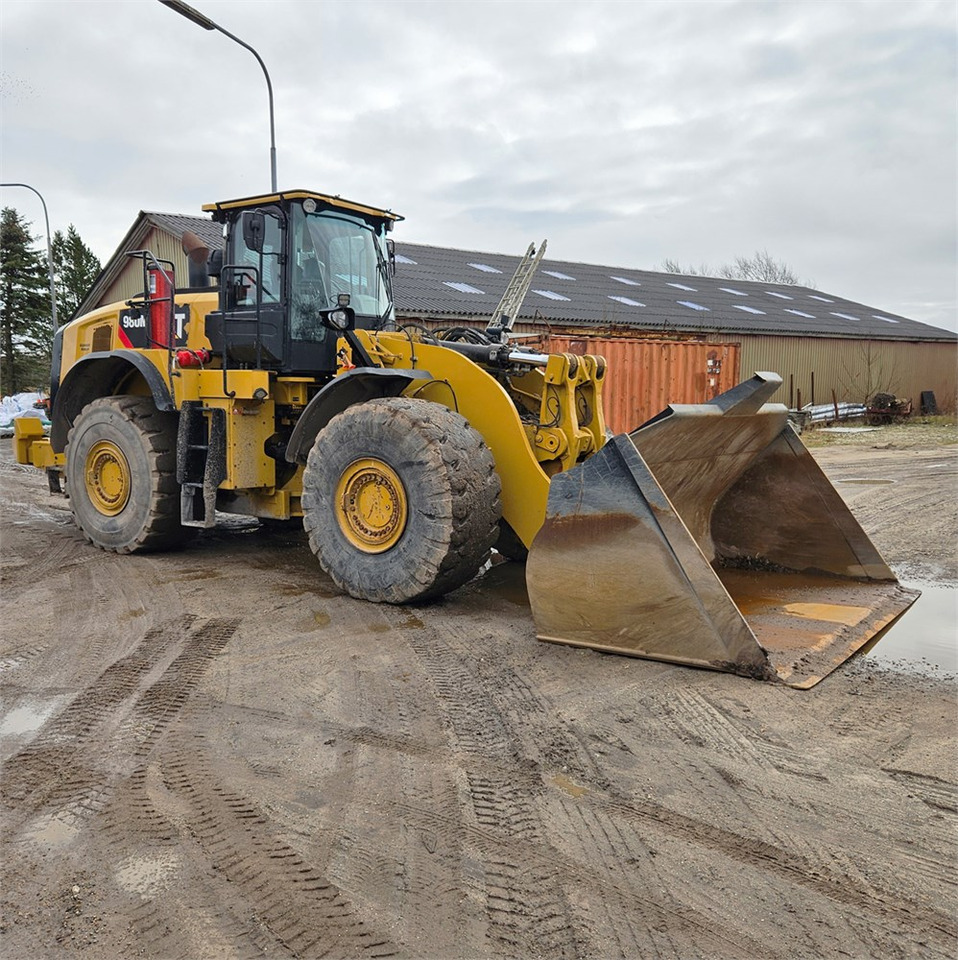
{"x": 192, "y": 358}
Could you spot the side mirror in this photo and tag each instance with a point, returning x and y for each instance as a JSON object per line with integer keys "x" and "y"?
{"x": 391, "y": 254}
{"x": 254, "y": 229}
{"x": 214, "y": 265}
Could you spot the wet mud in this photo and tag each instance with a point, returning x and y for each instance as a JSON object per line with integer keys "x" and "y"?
{"x": 215, "y": 754}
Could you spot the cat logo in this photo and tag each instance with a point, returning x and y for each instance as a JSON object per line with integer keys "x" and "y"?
{"x": 133, "y": 328}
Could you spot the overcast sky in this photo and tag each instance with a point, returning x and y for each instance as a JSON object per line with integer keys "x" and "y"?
{"x": 625, "y": 133}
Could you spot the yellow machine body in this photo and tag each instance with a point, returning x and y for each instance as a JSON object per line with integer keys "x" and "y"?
{"x": 707, "y": 536}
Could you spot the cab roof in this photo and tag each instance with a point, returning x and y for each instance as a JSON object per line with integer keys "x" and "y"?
{"x": 320, "y": 198}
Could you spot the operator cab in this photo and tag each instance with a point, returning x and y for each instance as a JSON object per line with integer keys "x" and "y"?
{"x": 290, "y": 259}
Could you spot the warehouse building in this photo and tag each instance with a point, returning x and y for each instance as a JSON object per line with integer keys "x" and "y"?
{"x": 667, "y": 337}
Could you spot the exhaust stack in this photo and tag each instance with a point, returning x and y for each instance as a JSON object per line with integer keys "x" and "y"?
{"x": 197, "y": 253}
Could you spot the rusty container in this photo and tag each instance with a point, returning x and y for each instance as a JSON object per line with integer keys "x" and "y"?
{"x": 645, "y": 376}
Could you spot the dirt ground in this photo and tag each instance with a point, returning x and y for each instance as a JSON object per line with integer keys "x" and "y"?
{"x": 214, "y": 754}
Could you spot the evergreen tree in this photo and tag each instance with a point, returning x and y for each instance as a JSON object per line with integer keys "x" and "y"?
{"x": 75, "y": 268}
{"x": 25, "y": 333}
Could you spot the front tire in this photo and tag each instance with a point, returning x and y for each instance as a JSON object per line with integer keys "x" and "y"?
{"x": 121, "y": 476}
{"x": 400, "y": 500}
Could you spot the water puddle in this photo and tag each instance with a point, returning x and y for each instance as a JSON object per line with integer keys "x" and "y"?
{"x": 147, "y": 875}
{"x": 925, "y": 639}
{"x": 51, "y": 831}
{"x": 866, "y": 481}
{"x": 28, "y": 718}
{"x": 573, "y": 789}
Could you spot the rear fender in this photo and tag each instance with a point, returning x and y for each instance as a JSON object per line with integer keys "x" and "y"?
{"x": 102, "y": 375}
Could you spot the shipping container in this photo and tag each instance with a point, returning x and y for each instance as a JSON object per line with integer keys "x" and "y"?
{"x": 645, "y": 376}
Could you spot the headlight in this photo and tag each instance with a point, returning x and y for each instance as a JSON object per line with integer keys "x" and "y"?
{"x": 342, "y": 318}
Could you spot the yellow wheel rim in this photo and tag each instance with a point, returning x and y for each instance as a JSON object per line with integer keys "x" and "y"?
{"x": 371, "y": 505}
{"x": 107, "y": 477}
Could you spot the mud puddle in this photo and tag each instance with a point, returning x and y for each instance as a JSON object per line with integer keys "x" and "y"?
{"x": 924, "y": 640}
{"x": 866, "y": 481}
{"x": 27, "y": 719}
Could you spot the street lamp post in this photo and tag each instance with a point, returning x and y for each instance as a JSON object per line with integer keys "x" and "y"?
{"x": 53, "y": 293}
{"x": 200, "y": 19}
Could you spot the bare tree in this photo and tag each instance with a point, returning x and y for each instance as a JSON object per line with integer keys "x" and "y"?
{"x": 761, "y": 266}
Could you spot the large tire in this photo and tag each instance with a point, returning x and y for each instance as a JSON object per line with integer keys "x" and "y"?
{"x": 400, "y": 500}
{"x": 121, "y": 476}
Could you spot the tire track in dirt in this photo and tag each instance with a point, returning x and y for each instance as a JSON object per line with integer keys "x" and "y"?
{"x": 303, "y": 912}
{"x": 915, "y": 919}
{"x": 835, "y": 882}
{"x": 618, "y": 916}
{"x": 62, "y": 771}
{"x": 936, "y": 793}
{"x": 507, "y": 791}
{"x": 174, "y": 910}
{"x": 53, "y": 767}
{"x": 757, "y": 756}
{"x": 624, "y": 918}
{"x": 526, "y": 906}
{"x": 413, "y": 871}
{"x": 71, "y": 774}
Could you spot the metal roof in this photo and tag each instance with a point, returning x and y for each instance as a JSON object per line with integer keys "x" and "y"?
{"x": 444, "y": 282}
{"x": 177, "y": 224}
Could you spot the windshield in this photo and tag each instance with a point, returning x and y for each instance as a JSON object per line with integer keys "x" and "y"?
{"x": 334, "y": 253}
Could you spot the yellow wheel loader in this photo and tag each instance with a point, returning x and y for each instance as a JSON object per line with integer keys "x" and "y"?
{"x": 708, "y": 536}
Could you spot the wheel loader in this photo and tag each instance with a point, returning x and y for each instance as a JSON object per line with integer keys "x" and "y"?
{"x": 707, "y": 536}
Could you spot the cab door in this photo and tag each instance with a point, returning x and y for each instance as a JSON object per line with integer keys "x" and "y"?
{"x": 252, "y": 320}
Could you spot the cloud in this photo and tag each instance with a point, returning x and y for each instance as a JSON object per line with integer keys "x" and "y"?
{"x": 626, "y": 133}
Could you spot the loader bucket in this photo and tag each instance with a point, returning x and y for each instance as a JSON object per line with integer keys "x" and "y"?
{"x": 710, "y": 537}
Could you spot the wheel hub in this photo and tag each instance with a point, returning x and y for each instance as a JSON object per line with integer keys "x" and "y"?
{"x": 107, "y": 477}
{"x": 371, "y": 505}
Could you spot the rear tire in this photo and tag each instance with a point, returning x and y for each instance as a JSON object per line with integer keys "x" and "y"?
{"x": 121, "y": 476}
{"x": 400, "y": 500}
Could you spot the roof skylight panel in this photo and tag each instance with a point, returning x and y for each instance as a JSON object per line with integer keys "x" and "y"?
{"x": 812, "y": 296}
{"x": 550, "y": 294}
{"x": 557, "y": 275}
{"x": 878, "y": 316}
{"x": 463, "y": 287}
{"x": 739, "y": 306}
{"x": 627, "y": 281}
{"x": 690, "y": 305}
{"x": 798, "y": 313}
{"x": 845, "y": 316}
{"x": 781, "y": 296}
{"x": 401, "y": 259}
{"x": 627, "y": 301}
{"x": 485, "y": 268}
{"x": 737, "y": 293}
{"x": 682, "y": 286}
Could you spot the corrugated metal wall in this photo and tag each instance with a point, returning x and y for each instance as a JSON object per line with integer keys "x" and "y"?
{"x": 130, "y": 281}
{"x": 645, "y": 376}
{"x": 855, "y": 369}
